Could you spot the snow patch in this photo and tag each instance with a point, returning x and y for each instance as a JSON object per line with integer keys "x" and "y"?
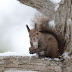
{"x": 65, "y": 55}
{"x": 13, "y": 34}
{"x": 55, "y": 1}
{"x": 18, "y": 71}
{"x": 9, "y": 54}
{"x": 56, "y": 59}
{"x": 56, "y": 7}
{"x": 15, "y": 54}
{"x": 52, "y": 23}
{"x": 49, "y": 59}
{"x": 69, "y": 21}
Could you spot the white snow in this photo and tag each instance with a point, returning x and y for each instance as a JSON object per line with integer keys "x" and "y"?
{"x": 18, "y": 71}
{"x": 56, "y": 59}
{"x": 56, "y": 7}
{"x": 55, "y": 1}
{"x": 49, "y": 59}
{"x": 69, "y": 21}
{"x": 52, "y": 23}
{"x": 65, "y": 55}
{"x": 9, "y": 54}
{"x": 14, "y": 38}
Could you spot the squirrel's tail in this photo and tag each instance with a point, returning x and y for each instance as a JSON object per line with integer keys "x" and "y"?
{"x": 59, "y": 37}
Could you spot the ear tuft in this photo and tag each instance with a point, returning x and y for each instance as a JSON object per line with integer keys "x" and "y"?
{"x": 28, "y": 28}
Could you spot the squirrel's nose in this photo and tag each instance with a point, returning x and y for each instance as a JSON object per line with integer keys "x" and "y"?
{"x": 34, "y": 38}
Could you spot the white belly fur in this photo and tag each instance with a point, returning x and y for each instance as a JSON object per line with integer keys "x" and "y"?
{"x": 35, "y": 44}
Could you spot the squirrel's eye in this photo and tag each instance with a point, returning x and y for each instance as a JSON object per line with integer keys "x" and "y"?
{"x": 37, "y": 33}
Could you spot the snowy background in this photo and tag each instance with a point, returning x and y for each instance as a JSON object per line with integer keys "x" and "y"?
{"x": 14, "y": 16}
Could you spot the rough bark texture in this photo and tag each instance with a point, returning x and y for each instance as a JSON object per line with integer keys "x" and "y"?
{"x": 33, "y": 64}
{"x": 44, "y": 6}
{"x": 62, "y": 17}
{"x": 29, "y": 64}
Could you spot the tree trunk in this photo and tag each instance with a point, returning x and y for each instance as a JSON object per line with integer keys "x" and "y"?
{"x": 62, "y": 17}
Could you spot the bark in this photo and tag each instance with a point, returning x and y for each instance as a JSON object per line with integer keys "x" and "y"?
{"x": 44, "y": 6}
{"x": 62, "y": 17}
{"x": 25, "y": 64}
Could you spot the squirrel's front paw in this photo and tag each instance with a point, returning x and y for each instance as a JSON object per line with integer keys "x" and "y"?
{"x": 32, "y": 50}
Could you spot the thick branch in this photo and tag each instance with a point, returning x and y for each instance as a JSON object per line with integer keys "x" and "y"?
{"x": 28, "y": 64}
{"x": 44, "y": 6}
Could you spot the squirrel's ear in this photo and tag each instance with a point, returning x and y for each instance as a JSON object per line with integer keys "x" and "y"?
{"x": 28, "y": 28}
{"x": 35, "y": 26}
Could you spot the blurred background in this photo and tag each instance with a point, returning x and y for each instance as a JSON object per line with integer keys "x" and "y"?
{"x": 13, "y": 33}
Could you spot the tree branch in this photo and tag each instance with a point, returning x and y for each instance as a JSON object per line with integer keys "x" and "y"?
{"x": 44, "y": 6}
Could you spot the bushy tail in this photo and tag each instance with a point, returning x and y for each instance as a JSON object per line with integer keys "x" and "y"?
{"x": 60, "y": 38}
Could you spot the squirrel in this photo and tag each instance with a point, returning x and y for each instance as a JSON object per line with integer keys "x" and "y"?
{"x": 44, "y": 39}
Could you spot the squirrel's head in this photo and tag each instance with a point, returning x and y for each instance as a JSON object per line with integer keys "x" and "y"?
{"x": 33, "y": 34}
